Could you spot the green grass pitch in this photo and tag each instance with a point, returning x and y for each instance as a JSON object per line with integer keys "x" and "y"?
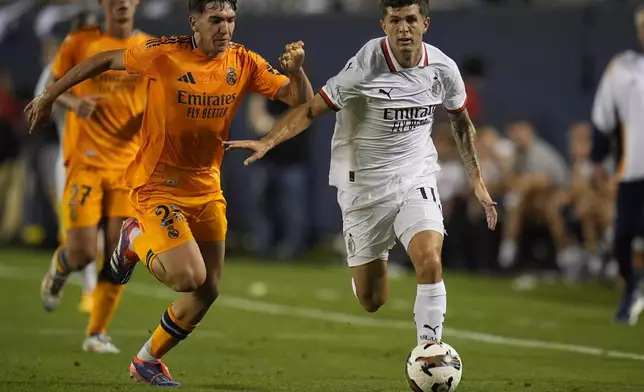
{"x": 297, "y": 327}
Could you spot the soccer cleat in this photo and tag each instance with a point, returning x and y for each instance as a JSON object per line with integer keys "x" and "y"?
{"x": 51, "y": 288}
{"x": 100, "y": 344}
{"x": 86, "y": 303}
{"x": 630, "y": 308}
{"x": 152, "y": 373}
{"x": 123, "y": 259}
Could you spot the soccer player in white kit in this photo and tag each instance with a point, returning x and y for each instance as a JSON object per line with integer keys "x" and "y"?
{"x": 617, "y": 111}
{"x": 383, "y": 160}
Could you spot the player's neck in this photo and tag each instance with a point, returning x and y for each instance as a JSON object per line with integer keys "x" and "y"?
{"x": 118, "y": 29}
{"x": 212, "y": 54}
{"x": 408, "y": 59}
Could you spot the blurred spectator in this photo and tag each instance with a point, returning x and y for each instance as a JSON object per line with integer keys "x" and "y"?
{"x": 11, "y": 172}
{"x": 278, "y": 187}
{"x": 10, "y": 15}
{"x": 593, "y": 205}
{"x": 62, "y": 11}
{"x": 592, "y": 208}
{"x": 536, "y": 192}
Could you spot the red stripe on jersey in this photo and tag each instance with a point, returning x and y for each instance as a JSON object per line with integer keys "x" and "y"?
{"x": 385, "y": 51}
{"x": 328, "y": 101}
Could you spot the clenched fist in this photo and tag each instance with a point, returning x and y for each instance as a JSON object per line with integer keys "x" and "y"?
{"x": 293, "y": 58}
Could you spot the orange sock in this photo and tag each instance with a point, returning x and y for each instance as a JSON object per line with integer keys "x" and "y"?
{"x": 106, "y": 298}
{"x": 168, "y": 334}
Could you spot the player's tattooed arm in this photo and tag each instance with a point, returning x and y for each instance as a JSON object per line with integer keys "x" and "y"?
{"x": 39, "y": 109}
{"x": 465, "y": 136}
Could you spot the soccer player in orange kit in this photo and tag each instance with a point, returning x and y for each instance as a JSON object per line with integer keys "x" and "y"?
{"x": 197, "y": 84}
{"x": 99, "y": 142}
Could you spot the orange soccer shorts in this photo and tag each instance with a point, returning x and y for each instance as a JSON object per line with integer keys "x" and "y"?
{"x": 168, "y": 221}
{"x": 92, "y": 194}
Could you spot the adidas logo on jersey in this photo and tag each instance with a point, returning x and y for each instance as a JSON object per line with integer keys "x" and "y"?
{"x": 187, "y": 78}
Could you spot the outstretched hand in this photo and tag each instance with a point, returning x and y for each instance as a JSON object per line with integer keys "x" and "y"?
{"x": 258, "y": 147}
{"x": 38, "y": 111}
{"x": 488, "y": 204}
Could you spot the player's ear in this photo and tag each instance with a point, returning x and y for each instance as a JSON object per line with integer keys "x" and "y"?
{"x": 382, "y": 25}
{"x": 193, "y": 23}
{"x": 426, "y": 24}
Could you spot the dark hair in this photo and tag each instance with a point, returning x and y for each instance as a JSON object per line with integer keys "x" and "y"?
{"x": 423, "y": 4}
{"x": 199, "y": 6}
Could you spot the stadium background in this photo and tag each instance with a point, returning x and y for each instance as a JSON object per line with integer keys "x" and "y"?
{"x": 295, "y": 325}
{"x": 539, "y": 62}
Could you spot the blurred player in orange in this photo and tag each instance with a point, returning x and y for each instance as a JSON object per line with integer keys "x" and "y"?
{"x": 197, "y": 85}
{"x": 100, "y": 140}
{"x": 50, "y": 48}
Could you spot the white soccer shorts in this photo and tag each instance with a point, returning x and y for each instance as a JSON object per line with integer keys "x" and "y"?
{"x": 370, "y": 227}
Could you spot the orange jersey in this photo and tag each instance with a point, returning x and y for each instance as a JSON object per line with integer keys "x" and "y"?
{"x": 110, "y": 138}
{"x": 192, "y": 99}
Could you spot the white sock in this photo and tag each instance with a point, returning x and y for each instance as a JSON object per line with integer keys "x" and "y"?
{"x": 429, "y": 311}
{"x": 353, "y": 286}
{"x": 144, "y": 354}
{"x": 89, "y": 277}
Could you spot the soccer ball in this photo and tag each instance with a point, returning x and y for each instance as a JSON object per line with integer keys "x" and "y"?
{"x": 434, "y": 367}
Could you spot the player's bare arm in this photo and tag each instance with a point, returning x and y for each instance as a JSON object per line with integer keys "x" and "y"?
{"x": 298, "y": 89}
{"x": 465, "y": 137}
{"x": 39, "y": 109}
{"x": 294, "y": 123}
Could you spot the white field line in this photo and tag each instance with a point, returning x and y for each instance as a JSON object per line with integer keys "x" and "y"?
{"x": 203, "y": 334}
{"x": 233, "y": 302}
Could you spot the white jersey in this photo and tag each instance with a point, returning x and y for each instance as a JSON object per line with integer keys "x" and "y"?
{"x": 385, "y": 116}
{"x": 619, "y": 105}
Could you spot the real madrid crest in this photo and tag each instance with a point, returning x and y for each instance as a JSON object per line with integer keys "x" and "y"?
{"x": 231, "y": 77}
{"x": 437, "y": 88}
{"x": 173, "y": 233}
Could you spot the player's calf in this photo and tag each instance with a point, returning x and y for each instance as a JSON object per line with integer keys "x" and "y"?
{"x": 370, "y": 284}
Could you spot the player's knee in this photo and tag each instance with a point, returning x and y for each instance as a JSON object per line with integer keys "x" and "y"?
{"x": 188, "y": 280}
{"x": 428, "y": 265}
